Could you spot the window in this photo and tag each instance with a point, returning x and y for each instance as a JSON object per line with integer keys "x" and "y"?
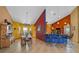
{"x": 39, "y": 28}
{"x": 25, "y": 31}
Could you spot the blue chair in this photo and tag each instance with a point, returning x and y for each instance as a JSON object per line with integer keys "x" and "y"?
{"x": 47, "y": 38}
{"x": 64, "y": 39}
{"x": 56, "y": 38}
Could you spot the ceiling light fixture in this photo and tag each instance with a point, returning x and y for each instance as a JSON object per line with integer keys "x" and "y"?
{"x": 53, "y": 13}
{"x": 59, "y": 16}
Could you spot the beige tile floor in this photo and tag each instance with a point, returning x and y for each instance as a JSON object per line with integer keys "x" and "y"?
{"x": 40, "y": 47}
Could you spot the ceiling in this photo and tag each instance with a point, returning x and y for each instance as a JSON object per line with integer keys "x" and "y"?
{"x": 55, "y": 13}
{"x": 30, "y": 14}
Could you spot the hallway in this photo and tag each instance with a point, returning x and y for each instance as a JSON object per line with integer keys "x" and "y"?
{"x": 39, "y": 29}
{"x": 40, "y": 47}
{"x": 49, "y": 29}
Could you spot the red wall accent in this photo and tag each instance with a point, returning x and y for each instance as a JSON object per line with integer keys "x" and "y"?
{"x": 41, "y": 21}
{"x": 61, "y": 23}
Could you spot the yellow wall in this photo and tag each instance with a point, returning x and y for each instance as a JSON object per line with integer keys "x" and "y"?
{"x": 48, "y": 28}
{"x": 16, "y": 26}
{"x": 33, "y": 31}
{"x": 16, "y": 31}
{"x": 74, "y": 25}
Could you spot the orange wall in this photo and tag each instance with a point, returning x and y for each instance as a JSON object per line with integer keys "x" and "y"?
{"x": 51, "y": 27}
{"x": 4, "y": 14}
{"x": 62, "y": 22}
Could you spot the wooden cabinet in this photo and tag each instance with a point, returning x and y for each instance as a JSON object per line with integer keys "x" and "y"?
{"x": 4, "y": 41}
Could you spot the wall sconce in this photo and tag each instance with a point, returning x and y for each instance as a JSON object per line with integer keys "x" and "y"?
{"x": 57, "y": 22}
{"x": 65, "y": 23}
{"x": 52, "y": 28}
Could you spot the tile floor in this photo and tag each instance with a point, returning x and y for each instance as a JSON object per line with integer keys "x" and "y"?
{"x": 40, "y": 47}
